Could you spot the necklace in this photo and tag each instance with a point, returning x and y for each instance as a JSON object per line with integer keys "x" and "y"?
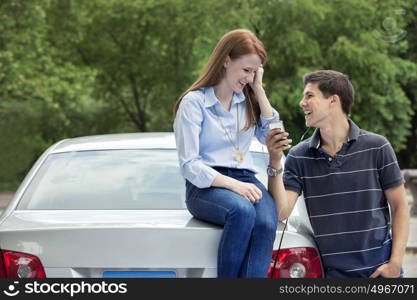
{"x": 238, "y": 154}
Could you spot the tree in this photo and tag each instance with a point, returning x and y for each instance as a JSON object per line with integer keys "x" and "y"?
{"x": 304, "y": 36}
{"x": 407, "y": 157}
{"x": 145, "y": 52}
{"x": 73, "y": 67}
{"x": 42, "y": 98}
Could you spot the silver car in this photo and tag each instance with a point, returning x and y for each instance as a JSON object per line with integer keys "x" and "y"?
{"x": 114, "y": 206}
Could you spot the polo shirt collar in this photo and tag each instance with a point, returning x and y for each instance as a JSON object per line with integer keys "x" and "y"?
{"x": 315, "y": 139}
{"x": 353, "y": 135}
{"x": 353, "y": 131}
{"x": 210, "y": 98}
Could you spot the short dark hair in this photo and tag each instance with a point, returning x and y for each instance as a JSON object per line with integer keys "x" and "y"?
{"x": 333, "y": 83}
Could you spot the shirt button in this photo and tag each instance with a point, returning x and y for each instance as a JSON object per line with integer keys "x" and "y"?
{"x": 330, "y": 159}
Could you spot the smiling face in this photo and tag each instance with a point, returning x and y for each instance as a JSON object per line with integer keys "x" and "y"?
{"x": 241, "y": 71}
{"x": 316, "y": 107}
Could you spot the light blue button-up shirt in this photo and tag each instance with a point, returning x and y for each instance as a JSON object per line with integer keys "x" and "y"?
{"x": 202, "y": 143}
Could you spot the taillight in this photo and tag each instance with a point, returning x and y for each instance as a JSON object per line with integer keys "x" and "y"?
{"x": 2, "y": 268}
{"x": 20, "y": 265}
{"x": 296, "y": 263}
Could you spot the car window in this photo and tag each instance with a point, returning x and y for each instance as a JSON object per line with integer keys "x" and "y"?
{"x": 111, "y": 179}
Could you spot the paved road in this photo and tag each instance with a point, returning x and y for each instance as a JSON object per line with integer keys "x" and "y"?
{"x": 410, "y": 265}
{"x": 410, "y": 260}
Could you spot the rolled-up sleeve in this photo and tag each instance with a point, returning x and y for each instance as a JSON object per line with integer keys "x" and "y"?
{"x": 262, "y": 128}
{"x": 187, "y": 128}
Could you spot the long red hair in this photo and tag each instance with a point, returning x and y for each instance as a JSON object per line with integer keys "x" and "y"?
{"x": 234, "y": 44}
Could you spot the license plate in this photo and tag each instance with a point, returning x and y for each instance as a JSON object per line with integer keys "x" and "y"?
{"x": 139, "y": 274}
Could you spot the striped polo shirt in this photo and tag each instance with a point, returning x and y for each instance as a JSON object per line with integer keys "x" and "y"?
{"x": 345, "y": 199}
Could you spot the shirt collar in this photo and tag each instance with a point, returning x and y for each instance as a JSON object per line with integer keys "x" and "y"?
{"x": 210, "y": 98}
{"x": 353, "y": 135}
{"x": 353, "y": 131}
{"x": 315, "y": 139}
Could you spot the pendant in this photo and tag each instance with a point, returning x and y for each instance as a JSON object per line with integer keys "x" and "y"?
{"x": 239, "y": 156}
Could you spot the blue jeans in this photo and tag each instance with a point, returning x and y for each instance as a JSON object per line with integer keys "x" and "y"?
{"x": 245, "y": 247}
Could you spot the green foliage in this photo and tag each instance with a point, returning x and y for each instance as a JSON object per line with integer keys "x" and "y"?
{"x": 43, "y": 98}
{"x": 144, "y": 52}
{"x": 73, "y": 67}
{"x": 407, "y": 157}
{"x": 344, "y": 36}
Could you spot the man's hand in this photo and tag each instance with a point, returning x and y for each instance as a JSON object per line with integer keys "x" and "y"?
{"x": 388, "y": 270}
{"x": 277, "y": 141}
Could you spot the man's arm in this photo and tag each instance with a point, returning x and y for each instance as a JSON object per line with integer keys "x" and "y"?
{"x": 400, "y": 215}
{"x": 285, "y": 200}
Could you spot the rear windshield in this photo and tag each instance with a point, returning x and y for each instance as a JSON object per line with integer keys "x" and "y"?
{"x": 112, "y": 180}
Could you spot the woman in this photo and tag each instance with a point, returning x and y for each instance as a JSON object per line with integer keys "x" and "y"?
{"x": 215, "y": 120}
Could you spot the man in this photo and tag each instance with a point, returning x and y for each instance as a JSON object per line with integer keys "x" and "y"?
{"x": 351, "y": 183}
